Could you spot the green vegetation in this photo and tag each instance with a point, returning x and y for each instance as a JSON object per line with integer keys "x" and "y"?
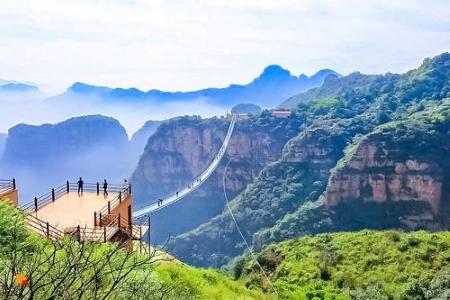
{"x": 407, "y": 114}
{"x": 67, "y": 269}
{"x": 362, "y": 265}
{"x": 207, "y": 284}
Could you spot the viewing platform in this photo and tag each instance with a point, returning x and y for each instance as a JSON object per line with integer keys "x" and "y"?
{"x": 71, "y": 209}
{"x": 88, "y": 215}
{"x": 9, "y": 191}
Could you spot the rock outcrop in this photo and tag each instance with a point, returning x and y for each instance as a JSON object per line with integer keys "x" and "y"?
{"x": 394, "y": 166}
{"x": 41, "y": 157}
{"x": 183, "y": 147}
{"x": 48, "y": 143}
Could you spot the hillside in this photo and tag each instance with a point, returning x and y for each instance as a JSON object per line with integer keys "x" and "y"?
{"x": 183, "y": 147}
{"x": 363, "y": 265}
{"x": 68, "y": 269}
{"x": 327, "y": 180}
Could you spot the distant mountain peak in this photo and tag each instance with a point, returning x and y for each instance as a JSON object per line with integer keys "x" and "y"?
{"x": 325, "y": 72}
{"x": 271, "y": 87}
{"x": 18, "y": 88}
{"x": 274, "y": 71}
{"x": 80, "y": 87}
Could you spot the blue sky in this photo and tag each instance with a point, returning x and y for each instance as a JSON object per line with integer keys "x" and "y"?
{"x": 193, "y": 44}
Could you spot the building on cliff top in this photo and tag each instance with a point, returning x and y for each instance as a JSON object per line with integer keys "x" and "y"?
{"x": 281, "y": 113}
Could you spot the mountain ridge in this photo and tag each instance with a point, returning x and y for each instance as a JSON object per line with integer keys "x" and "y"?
{"x": 286, "y": 199}
{"x": 270, "y": 88}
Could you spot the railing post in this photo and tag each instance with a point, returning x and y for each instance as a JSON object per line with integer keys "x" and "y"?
{"x": 148, "y": 230}
{"x": 129, "y": 189}
{"x": 140, "y": 233}
{"x": 118, "y": 223}
{"x": 48, "y": 229}
{"x": 120, "y": 197}
{"x": 98, "y": 188}
{"x": 109, "y": 207}
{"x": 100, "y": 219}
{"x": 35, "y": 204}
{"x": 95, "y": 219}
{"x": 104, "y": 234}
{"x": 53, "y": 195}
{"x": 14, "y": 183}
{"x": 130, "y": 224}
{"x": 78, "y": 233}
{"x": 67, "y": 186}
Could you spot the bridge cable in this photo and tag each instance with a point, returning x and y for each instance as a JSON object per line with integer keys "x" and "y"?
{"x": 240, "y": 232}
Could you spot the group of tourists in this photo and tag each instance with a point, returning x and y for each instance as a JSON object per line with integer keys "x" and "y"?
{"x": 80, "y": 184}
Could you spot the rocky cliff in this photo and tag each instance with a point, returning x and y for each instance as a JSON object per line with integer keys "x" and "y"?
{"x": 39, "y": 145}
{"x": 399, "y": 164}
{"x": 41, "y": 157}
{"x": 183, "y": 147}
{"x": 298, "y": 176}
{"x": 3, "y": 137}
{"x": 372, "y": 153}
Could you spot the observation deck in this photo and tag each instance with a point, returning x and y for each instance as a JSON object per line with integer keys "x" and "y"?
{"x": 9, "y": 191}
{"x": 88, "y": 215}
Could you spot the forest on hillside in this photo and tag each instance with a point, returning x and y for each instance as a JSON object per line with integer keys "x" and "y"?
{"x": 405, "y": 113}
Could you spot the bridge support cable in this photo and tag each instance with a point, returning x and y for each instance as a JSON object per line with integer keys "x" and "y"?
{"x": 196, "y": 183}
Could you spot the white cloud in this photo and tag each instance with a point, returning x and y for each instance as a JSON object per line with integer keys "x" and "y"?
{"x": 190, "y": 44}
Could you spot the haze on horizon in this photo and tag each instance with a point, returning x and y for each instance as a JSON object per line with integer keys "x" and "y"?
{"x": 188, "y": 45}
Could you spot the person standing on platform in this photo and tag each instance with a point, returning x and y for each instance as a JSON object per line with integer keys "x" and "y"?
{"x": 105, "y": 187}
{"x": 126, "y": 186}
{"x": 80, "y": 186}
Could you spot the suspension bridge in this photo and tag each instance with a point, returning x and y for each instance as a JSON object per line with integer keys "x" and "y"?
{"x": 99, "y": 216}
{"x": 195, "y": 183}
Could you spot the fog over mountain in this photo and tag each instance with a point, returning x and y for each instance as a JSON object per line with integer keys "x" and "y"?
{"x": 132, "y": 107}
{"x": 45, "y": 156}
{"x": 42, "y": 155}
{"x": 267, "y": 90}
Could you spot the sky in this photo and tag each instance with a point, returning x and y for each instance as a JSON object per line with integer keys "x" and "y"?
{"x": 192, "y": 44}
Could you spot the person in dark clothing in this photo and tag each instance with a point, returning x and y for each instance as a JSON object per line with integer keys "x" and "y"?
{"x": 105, "y": 187}
{"x": 80, "y": 186}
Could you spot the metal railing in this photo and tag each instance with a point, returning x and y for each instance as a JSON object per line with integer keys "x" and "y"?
{"x": 55, "y": 193}
{"x": 43, "y": 200}
{"x": 99, "y": 234}
{"x": 93, "y": 187}
{"x": 43, "y": 228}
{"x": 99, "y": 216}
{"x": 135, "y": 231}
{"x": 7, "y": 185}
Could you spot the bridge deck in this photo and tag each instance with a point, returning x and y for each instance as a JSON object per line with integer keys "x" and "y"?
{"x": 71, "y": 210}
{"x": 195, "y": 184}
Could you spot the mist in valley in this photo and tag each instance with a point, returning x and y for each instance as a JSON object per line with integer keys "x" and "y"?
{"x": 37, "y": 170}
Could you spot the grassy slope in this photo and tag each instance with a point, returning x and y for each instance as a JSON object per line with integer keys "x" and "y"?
{"x": 207, "y": 283}
{"x": 389, "y": 263}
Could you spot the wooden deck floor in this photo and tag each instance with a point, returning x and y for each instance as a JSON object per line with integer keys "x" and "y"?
{"x": 71, "y": 210}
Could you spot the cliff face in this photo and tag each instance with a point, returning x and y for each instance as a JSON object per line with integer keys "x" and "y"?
{"x": 391, "y": 166}
{"x": 182, "y": 148}
{"x": 48, "y": 143}
{"x": 3, "y": 137}
{"x": 41, "y": 157}
{"x": 298, "y": 176}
